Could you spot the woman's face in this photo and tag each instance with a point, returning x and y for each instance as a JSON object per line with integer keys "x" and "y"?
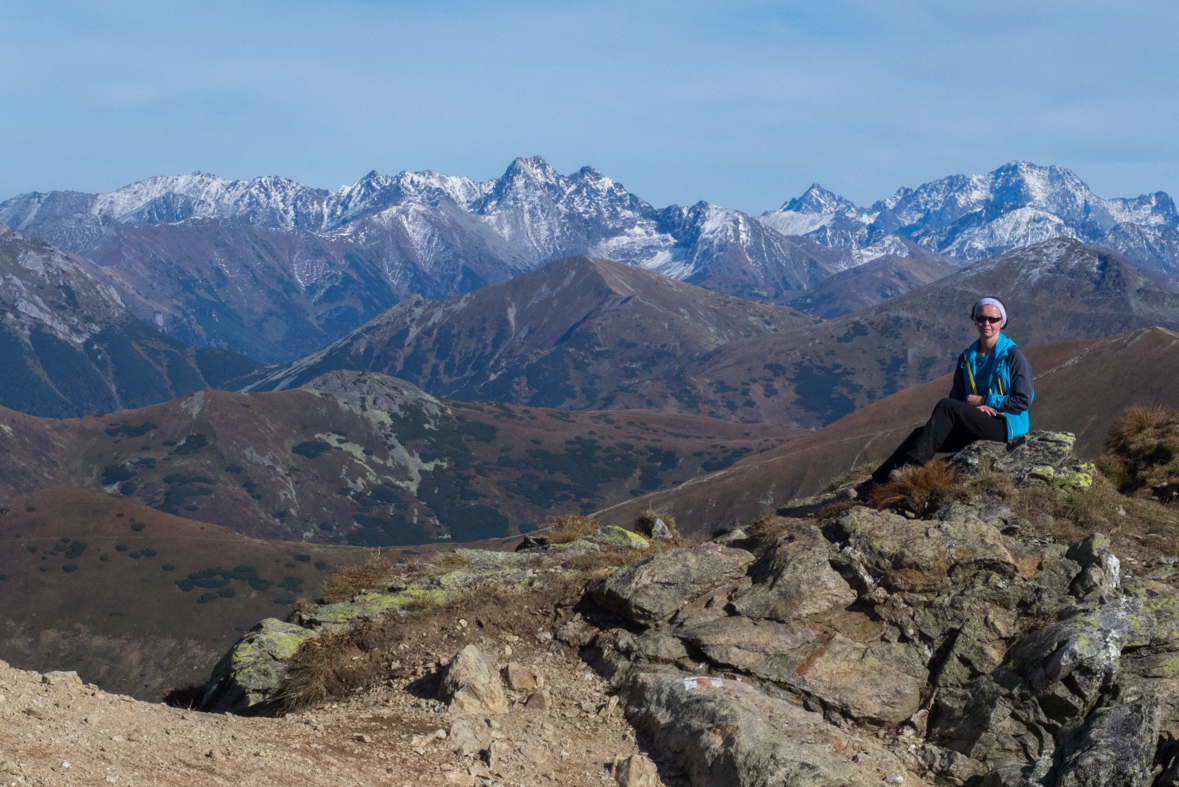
{"x": 986, "y": 328}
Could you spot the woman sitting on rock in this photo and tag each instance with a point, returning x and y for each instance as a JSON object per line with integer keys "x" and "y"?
{"x": 988, "y": 401}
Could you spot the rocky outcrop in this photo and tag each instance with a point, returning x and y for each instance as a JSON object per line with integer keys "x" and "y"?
{"x": 1044, "y": 457}
{"x": 247, "y": 679}
{"x": 656, "y": 589}
{"x": 725, "y": 732}
{"x": 986, "y": 659}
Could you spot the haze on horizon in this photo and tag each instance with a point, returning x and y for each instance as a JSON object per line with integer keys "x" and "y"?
{"x": 742, "y": 104}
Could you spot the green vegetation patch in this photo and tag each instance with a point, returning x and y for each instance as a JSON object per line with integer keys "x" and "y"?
{"x": 131, "y": 431}
{"x": 191, "y": 444}
{"x": 114, "y": 474}
{"x": 311, "y": 448}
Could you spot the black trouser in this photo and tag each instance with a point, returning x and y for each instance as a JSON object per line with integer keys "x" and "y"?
{"x": 953, "y": 426}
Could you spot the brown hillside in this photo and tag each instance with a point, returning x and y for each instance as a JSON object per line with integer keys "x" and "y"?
{"x": 872, "y": 283}
{"x": 1081, "y": 387}
{"x": 368, "y": 460}
{"x": 94, "y": 581}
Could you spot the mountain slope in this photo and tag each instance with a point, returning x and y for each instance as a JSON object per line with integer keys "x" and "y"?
{"x": 95, "y": 583}
{"x": 367, "y": 460}
{"x": 577, "y": 333}
{"x": 1081, "y": 387}
{"x": 873, "y": 282}
{"x": 68, "y": 346}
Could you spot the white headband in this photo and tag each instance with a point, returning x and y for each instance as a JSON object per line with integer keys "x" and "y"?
{"x": 991, "y": 302}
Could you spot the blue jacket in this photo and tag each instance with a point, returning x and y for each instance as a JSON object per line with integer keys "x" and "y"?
{"x": 1009, "y": 390}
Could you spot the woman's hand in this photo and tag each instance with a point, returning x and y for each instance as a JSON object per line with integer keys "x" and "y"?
{"x": 975, "y": 401}
{"x": 991, "y": 411}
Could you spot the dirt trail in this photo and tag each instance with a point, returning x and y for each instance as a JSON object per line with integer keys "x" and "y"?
{"x": 56, "y": 731}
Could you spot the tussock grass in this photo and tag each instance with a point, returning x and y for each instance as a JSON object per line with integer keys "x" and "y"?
{"x": 324, "y": 666}
{"x": 602, "y": 562}
{"x": 1142, "y": 451}
{"x": 347, "y": 583}
{"x": 921, "y": 490}
{"x": 570, "y": 527}
{"x": 451, "y": 561}
{"x": 186, "y": 697}
{"x": 646, "y": 521}
{"x": 766, "y": 531}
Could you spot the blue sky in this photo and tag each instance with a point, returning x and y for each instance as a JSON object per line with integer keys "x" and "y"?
{"x": 740, "y": 103}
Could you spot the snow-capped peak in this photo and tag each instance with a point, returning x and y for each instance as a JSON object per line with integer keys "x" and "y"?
{"x": 817, "y": 199}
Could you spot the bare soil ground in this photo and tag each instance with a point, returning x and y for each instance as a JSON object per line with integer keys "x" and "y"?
{"x": 57, "y": 731}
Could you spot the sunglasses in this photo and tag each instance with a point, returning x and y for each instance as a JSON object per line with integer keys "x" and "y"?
{"x": 992, "y": 320}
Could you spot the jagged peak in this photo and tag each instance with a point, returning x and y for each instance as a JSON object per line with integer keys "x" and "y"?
{"x": 817, "y": 199}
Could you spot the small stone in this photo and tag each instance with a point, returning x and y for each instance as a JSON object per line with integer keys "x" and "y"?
{"x": 539, "y": 701}
{"x": 577, "y": 632}
{"x": 215, "y": 755}
{"x": 544, "y": 636}
{"x": 636, "y": 771}
{"x": 659, "y": 529}
{"x": 362, "y": 738}
{"x": 519, "y": 677}
{"x": 58, "y": 678}
{"x": 608, "y": 709}
{"x": 615, "y": 536}
{"x": 491, "y": 756}
{"x": 467, "y": 738}
{"x": 472, "y": 686}
{"x": 537, "y": 755}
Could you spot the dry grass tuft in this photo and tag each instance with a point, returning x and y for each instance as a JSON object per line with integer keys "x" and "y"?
{"x": 646, "y": 521}
{"x": 350, "y": 581}
{"x": 451, "y": 561}
{"x": 1142, "y": 451}
{"x": 766, "y": 531}
{"x": 921, "y": 490}
{"x": 186, "y": 697}
{"x": 570, "y": 527}
{"x": 325, "y": 666}
{"x": 606, "y": 560}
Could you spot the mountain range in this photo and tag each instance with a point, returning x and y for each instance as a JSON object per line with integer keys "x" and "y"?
{"x": 972, "y": 217}
{"x": 274, "y": 269}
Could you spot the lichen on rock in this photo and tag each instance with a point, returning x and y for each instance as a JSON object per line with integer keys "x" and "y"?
{"x": 247, "y": 679}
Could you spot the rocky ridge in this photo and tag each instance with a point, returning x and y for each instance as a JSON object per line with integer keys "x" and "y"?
{"x": 971, "y": 217}
{"x": 958, "y": 647}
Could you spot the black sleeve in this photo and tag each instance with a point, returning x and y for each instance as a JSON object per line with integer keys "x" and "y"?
{"x": 1019, "y": 398}
{"x": 958, "y": 389}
